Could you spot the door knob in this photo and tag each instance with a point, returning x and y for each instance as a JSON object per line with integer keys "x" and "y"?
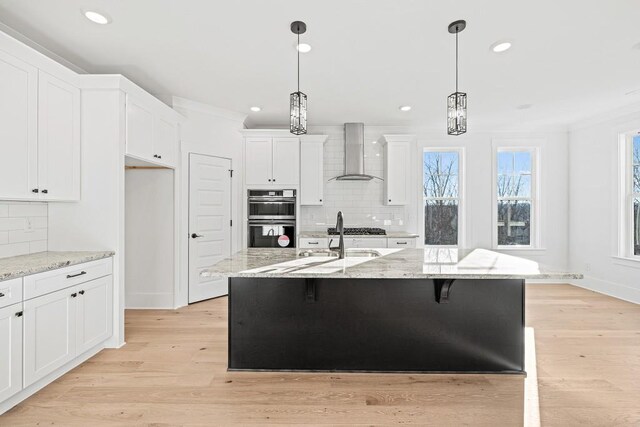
{"x": 195, "y": 236}
{"x": 45, "y": 191}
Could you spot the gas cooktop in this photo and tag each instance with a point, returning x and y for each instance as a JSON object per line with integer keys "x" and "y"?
{"x": 361, "y": 231}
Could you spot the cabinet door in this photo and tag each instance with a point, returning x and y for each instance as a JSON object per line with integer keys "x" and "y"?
{"x": 94, "y": 312}
{"x": 397, "y": 173}
{"x": 18, "y": 128}
{"x": 10, "y": 351}
{"x": 165, "y": 142}
{"x": 49, "y": 333}
{"x": 286, "y": 161}
{"x": 58, "y": 139}
{"x": 311, "y": 173}
{"x": 140, "y": 124}
{"x": 258, "y": 161}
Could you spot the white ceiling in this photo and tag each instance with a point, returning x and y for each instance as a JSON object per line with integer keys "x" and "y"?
{"x": 570, "y": 59}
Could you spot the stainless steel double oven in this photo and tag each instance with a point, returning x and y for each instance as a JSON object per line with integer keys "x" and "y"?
{"x": 271, "y": 218}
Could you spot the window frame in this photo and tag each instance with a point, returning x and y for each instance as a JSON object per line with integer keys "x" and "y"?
{"x": 461, "y": 195}
{"x": 535, "y": 227}
{"x": 626, "y": 195}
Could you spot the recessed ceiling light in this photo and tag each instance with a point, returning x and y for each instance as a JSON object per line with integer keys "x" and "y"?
{"x": 405, "y": 107}
{"x": 500, "y": 46}
{"x": 255, "y": 109}
{"x": 96, "y": 17}
{"x": 374, "y": 142}
{"x": 303, "y": 47}
{"x": 524, "y": 106}
{"x": 377, "y": 154}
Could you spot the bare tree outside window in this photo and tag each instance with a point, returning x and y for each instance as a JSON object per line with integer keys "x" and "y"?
{"x": 636, "y": 194}
{"x": 441, "y": 197}
{"x": 514, "y": 187}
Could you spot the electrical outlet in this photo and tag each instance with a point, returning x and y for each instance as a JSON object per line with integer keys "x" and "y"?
{"x": 587, "y": 267}
{"x": 28, "y": 227}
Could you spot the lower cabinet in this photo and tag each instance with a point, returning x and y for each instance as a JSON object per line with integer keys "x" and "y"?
{"x": 62, "y": 325}
{"x": 10, "y": 350}
{"x": 364, "y": 242}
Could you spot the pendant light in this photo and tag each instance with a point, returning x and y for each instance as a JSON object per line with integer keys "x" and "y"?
{"x": 457, "y": 101}
{"x": 298, "y": 100}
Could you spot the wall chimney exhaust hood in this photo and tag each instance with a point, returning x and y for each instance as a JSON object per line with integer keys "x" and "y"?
{"x": 354, "y": 154}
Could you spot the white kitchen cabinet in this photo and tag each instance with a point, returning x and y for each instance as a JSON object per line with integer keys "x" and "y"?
{"x": 18, "y": 128}
{"x": 10, "y": 350}
{"x": 311, "y": 172}
{"x": 286, "y": 161}
{"x": 49, "y": 333}
{"x": 361, "y": 242}
{"x": 94, "y": 313}
{"x": 397, "y": 169}
{"x": 409, "y": 242}
{"x": 58, "y": 139}
{"x": 272, "y": 161}
{"x": 258, "y": 161}
{"x": 313, "y": 243}
{"x": 150, "y": 135}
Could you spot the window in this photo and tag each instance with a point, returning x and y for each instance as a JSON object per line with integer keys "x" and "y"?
{"x": 441, "y": 192}
{"x": 635, "y": 196}
{"x": 515, "y": 196}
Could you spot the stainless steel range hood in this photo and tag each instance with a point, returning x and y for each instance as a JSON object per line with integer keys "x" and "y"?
{"x": 354, "y": 154}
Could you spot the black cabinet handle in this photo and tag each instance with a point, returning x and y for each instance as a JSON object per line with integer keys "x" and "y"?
{"x": 313, "y": 243}
{"x": 159, "y": 156}
{"x": 273, "y": 180}
{"x": 73, "y": 295}
{"x": 401, "y": 243}
{"x": 19, "y": 314}
{"x": 320, "y": 199}
{"x": 45, "y": 191}
{"x": 69, "y": 276}
{"x": 1, "y": 294}
{"x": 35, "y": 190}
{"x": 81, "y": 292}
{"x": 389, "y": 199}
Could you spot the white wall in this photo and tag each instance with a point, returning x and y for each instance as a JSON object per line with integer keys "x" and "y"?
{"x": 215, "y": 132}
{"x": 362, "y": 201}
{"x": 593, "y": 227}
{"x": 149, "y": 238}
{"x": 23, "y": 228}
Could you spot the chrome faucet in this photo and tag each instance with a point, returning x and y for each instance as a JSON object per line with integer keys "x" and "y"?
{"x": 340, "y": 230}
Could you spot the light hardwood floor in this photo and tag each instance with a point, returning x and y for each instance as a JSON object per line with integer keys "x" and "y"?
{"x": 173, "y": 372}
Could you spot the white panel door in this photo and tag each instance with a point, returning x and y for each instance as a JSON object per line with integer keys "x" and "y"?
{"x": 10, "y": 350}
{"x": 258, "y": 161}
{"x": 140, "y": 126}
{"x": 58, "y": 139}
{"x": 311, "y": 173}
{"x": 94, "y": 313}
{"x": 18, "y": 128}
{"x": 165, "y": 143}
{"x": 397, "y": 173}
{"x": 286, "y": 161}
{"x": 209, "y": 223}
{"x": 49, "y": 333}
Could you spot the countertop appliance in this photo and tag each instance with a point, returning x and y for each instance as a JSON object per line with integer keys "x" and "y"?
{"x": 358, "y": 231}
{"x": 271, "y": 218}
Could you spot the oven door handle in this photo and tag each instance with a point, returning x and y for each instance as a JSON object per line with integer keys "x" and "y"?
{"x": 267, "y": 222}
{"x": 270, "y": 200}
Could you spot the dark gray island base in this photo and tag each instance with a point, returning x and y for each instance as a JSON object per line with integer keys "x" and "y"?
{"x": 376, "y": 325}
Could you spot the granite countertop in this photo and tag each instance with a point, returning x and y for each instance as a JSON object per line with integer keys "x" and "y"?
{"x": 25, "y": 265}
{"x": 390, "y": 234}
{"x": 393, "y": 264}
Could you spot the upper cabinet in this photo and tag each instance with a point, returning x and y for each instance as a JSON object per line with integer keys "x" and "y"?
{"x": 397, "y": 169}
{"x": 39, "y": 134}
{"x": 272, "y": 161}
{"x": 152, "y": 135}
{"x": 312, "y": 170}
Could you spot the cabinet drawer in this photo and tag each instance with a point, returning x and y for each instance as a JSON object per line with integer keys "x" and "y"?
{"x": 10, "y": 292}
{"x": 364, "y": 242}
{"x": 401, "y": 243}
{"x": 51, "y": 281}
{"x": 313, "y": 243}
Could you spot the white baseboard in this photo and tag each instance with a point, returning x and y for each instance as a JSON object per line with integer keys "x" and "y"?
{"x": 149, "y": 300}
{"x": 611, "y": 289}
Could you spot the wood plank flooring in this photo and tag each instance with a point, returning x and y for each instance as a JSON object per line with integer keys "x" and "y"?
{"x": 173, "y": 372}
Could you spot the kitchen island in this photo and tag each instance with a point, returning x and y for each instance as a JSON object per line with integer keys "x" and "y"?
{"x": 383, "y": 310}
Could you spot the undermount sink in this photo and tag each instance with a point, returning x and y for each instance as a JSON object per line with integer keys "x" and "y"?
{"x": 361, "y": 253}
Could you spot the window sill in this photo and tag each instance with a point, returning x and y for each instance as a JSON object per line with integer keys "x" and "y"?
{"x": 627, "y": 261}
{"x": 519, "y": 249}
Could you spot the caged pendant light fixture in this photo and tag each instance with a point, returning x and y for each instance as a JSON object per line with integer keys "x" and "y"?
{"x": 457, "y": 101}
{"x": 298, "y": 100}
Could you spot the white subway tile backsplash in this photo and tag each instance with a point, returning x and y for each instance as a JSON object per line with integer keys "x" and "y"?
{"x": 23, "y": 228}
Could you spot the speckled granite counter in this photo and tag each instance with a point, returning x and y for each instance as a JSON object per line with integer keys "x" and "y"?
{"x": 24, "y": 265}
{"x": 390, "y": 235}
{"x": 394, "y": 264}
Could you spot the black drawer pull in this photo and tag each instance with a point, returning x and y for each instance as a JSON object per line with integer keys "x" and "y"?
{"x": 1, "y": 294}
{"x": 313, "y": 243}
{"x": 45, "y": 191}
{"x": 70, "y": 276}
{"x": 19, "y": 314}
{"x": 35, "y": 190}
{"x": 81, "y": 292}
{"x": 401, "y": 243}
{"x": 73, "y": 295}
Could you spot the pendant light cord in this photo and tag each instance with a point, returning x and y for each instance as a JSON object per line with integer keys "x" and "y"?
{"x": 298, "y": 49}
{"x": 456, "y": 61}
